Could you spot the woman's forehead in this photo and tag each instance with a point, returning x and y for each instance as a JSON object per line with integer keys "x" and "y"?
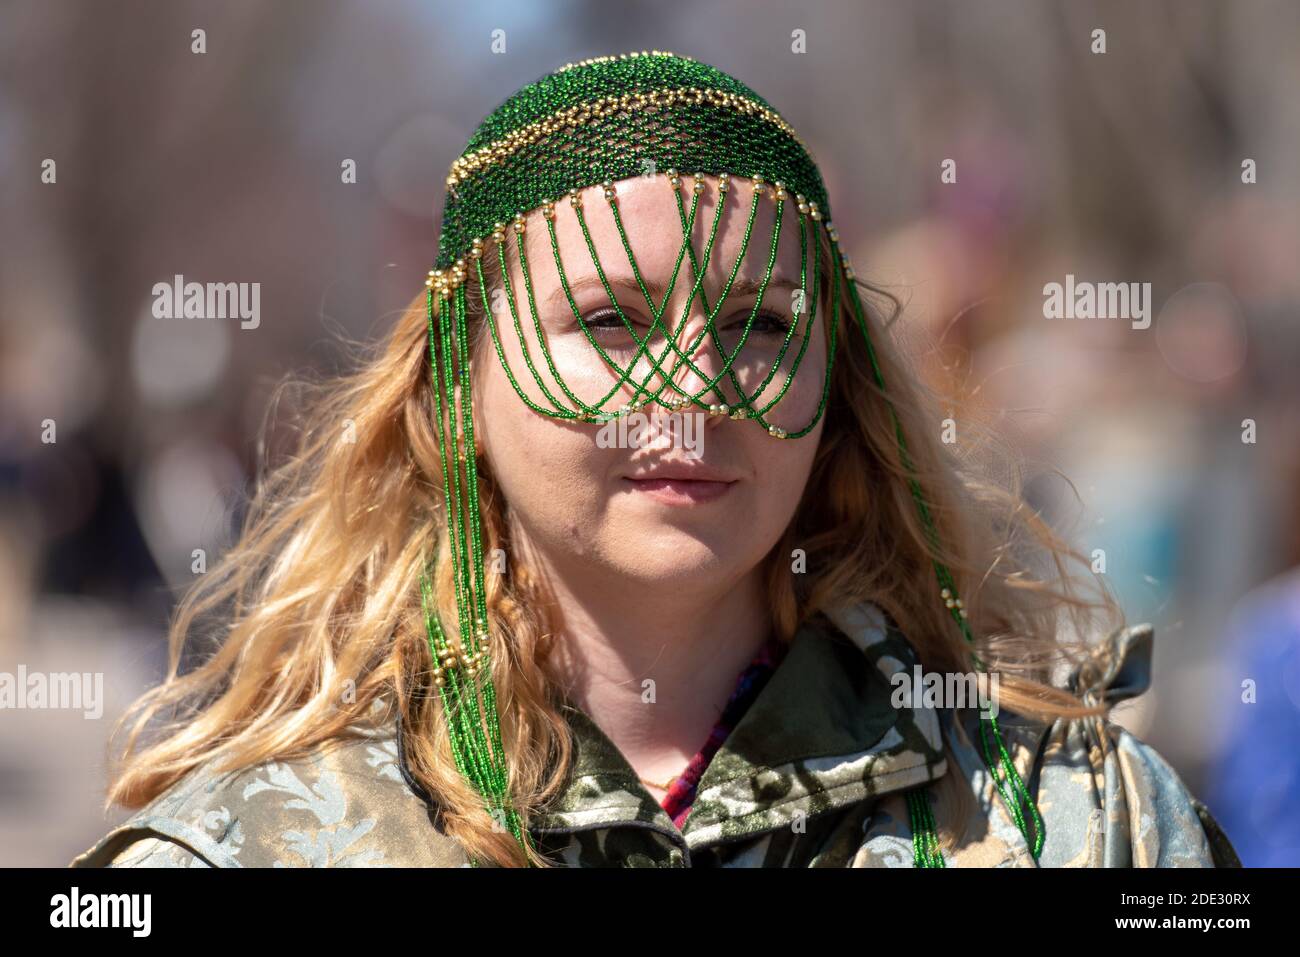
{"x": 652, "y": 222}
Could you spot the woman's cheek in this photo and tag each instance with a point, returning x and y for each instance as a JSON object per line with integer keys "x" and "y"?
{"x": 554, "y": 468}
{"x": 789, "y": 468}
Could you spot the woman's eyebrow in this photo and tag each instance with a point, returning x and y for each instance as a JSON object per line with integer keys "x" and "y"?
{"x": 743, "y": 286}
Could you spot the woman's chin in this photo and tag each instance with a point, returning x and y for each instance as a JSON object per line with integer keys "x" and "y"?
{"x": 664, "y": 554}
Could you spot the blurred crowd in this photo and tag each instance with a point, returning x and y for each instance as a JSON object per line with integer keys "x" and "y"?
{"x": 127, "y": 441}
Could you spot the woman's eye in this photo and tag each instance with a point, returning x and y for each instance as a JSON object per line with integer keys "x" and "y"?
{"x": 766, "y": 321}
{"x": 605, "y": 319}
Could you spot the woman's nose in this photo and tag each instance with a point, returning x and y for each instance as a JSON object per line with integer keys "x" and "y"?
{"x": 696, "y": 343}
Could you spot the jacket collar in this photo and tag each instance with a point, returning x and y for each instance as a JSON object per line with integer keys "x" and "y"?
{"x": 822, "y": 735}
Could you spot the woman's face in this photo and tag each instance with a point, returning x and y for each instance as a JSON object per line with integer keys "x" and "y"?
{"x": 693, "y": 497}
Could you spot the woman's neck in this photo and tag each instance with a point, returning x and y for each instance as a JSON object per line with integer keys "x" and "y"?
{"x": 654, "y": 666}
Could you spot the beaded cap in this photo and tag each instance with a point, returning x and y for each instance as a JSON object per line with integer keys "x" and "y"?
{"x": 611, "y": 118}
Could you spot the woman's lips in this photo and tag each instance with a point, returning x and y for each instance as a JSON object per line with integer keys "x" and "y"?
{"x": 680, "y": 491}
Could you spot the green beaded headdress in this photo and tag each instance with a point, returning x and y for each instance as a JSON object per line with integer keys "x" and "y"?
{"x": 593, "y": 124}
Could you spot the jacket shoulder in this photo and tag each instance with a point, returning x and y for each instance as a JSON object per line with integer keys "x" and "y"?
{"x": 345, "y": 804}
{"x": 144, "y": 848}
{"x": 1142, "y": 813}
{"x": 1107, "y": 798}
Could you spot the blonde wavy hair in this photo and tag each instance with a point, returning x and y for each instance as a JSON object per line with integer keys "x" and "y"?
{"x": 317, "y": 606}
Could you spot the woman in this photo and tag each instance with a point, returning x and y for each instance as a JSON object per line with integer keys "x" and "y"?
{"x": 640, "y": 471}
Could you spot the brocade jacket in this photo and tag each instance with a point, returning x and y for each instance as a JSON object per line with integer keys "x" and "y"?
{"x": 814, "y": 775}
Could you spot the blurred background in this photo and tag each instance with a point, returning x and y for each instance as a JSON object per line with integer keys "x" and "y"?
{"x": 127, "y": 441}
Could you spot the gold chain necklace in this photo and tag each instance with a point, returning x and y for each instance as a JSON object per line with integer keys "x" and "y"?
{"x": 662, "y": 787}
